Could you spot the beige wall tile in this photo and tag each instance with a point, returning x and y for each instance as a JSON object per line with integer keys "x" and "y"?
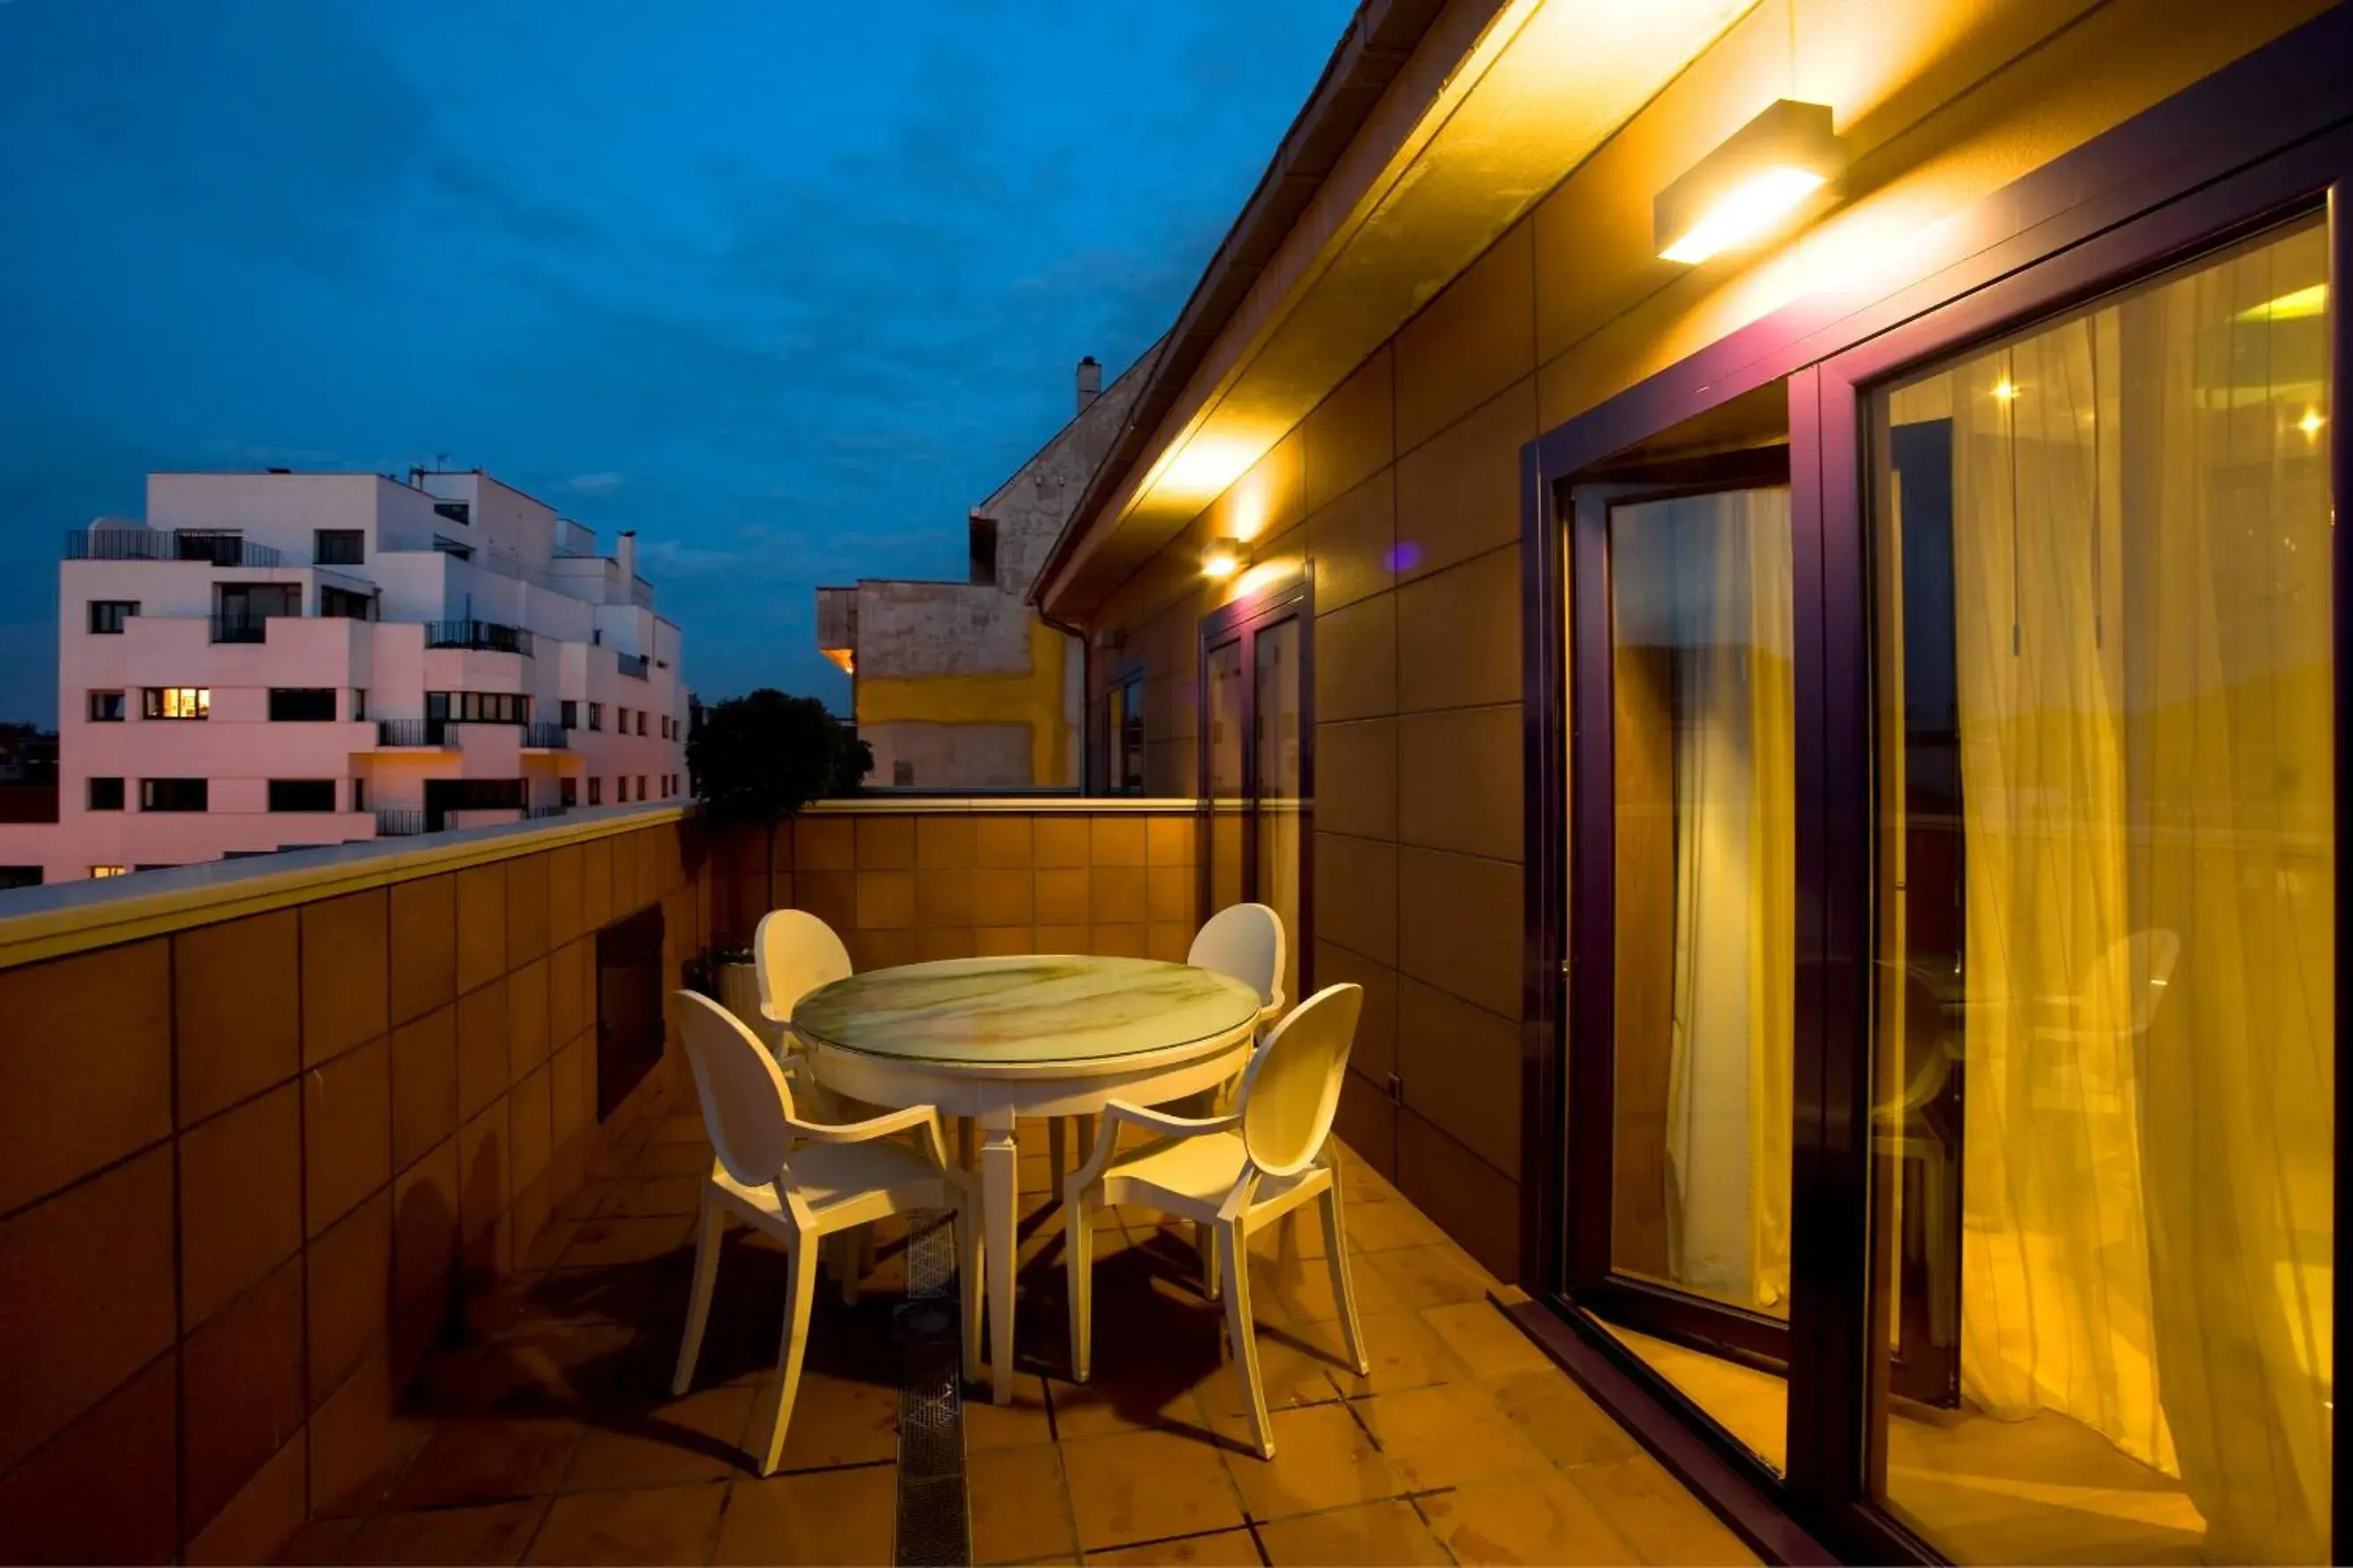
{"x": 569, "y": 977}
{"x": 1002, "y": 840}
{"x": 1171, "y": 893}
{"x": 1459, "y": 926}
{"x": 1350, "y": 435}
{"x": 258, "y": 1523}
{"x": 346, "y": 973}
{"x": 527, "y": 915}
{"x": 884, "y": 948}
{"x": 1115, "y": 895}
{"x": 1060, "y": 898}
{"x": 528, "y": 1036}
{"x": 1476, "y": 338}
{"x": 1460, "y": 787}
{"x": 1001, "y": 897}
{"x": 945, "y": 942}
{"x": 1374, "y": 1053}
{"x": 1353, "y": 539}
{"x": 1060, "y": 841}
{"x": 1470, "y": 1200}
{"x": 946, "y": 843}
{"x": 425, "y": 1204}
{"x": 573, "y": 1095}
{"x": 359, "y": 1440}
{"x": 1462, "y": 1071}
{"x": 992, "y": 941}
{"x": 1118, "y": 841}
{"x": 105, "y": 1490}
{"x": 886, "y": 842}
{"x": 1357, "y": 778}
{"x": 485, "y": 1171}
{"x": 946, "y": 897}
{"x": 1168, "y": 941}
{"x": 1168, "y": 840}
{"x": 424, "y": 1084}
{"x": 483, "y": 1060}
{"x": 240, "y": 1199}
{"x": 90, "y": 1300}
{"x": 93, "y": 1032}
{"x": 565, "y": 917}
{"x": 424, "y": 922}
{"x": 886, "y": 899}
{"x": 346, "y": 1133}
{"x": 482, "y": 925}
{"x": 530, "y": 1124}
{"x": 1357, "y": 895}
{"x": 596, "y": 884}
{"x": 1458, "y": 495}
{"x": 1356, "y": 660}
{"x": 1064, "y": 939}
{"x": 1459, "y": 635}
{"x": 236, "y": 1008}
{"x": 349, "y": 1278}
{"x": 241, "y": 1391}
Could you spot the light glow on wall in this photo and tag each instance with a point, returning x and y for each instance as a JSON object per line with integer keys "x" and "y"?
{"x": 1745, "y": 214}
{"x": 1749, "y": 185}
{"x": 1223, "y": 558}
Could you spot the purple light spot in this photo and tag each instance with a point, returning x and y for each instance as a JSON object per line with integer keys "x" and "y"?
{"x": 1406, "y": 556}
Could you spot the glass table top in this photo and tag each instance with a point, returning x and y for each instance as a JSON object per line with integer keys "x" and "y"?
{"x": 1043, "y": 1008}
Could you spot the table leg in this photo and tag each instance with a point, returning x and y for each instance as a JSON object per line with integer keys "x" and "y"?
{"x": 1001, "y": 1169}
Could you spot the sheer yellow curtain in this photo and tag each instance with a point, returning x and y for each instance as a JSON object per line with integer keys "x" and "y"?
{"x": 1730, "y": 1069}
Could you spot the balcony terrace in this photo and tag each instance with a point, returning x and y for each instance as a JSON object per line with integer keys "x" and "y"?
{"x": 362, "y": 1102}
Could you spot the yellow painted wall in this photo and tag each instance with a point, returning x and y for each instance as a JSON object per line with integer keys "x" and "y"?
{"x": 1031, "y": 697}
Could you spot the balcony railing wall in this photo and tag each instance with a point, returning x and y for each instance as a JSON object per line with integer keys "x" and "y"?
{"x": 635, "y": 665}
{"x": 166, "y": 544}
{"x": 483, "y": 637}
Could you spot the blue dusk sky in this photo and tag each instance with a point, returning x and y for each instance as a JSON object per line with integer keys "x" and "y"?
{"x": 785, "y": 287}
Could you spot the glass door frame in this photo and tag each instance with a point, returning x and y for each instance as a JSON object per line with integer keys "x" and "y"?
{"x": 1240, "y": 622}
{"x": 2251, "y": 146}
{"x": 1590, "y": 1274}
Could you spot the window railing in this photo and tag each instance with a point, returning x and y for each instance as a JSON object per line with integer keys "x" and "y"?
{"x": 486, "y": 637}
{"x": 635, "y": 665}
{"x": 538, "y": 811}
{"x": 402, "y": 822}
{"x": 166, "y": 544}
{"x": 547, "y": 737}
{"x": 248, "y": 627}
{"x": 414, "y": 732}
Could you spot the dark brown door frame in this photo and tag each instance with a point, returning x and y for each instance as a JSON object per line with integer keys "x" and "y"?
{"x": 2251, "y": 145}
{"x": 1242, "y": 621}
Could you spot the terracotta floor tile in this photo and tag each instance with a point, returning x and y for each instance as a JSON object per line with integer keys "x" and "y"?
{"x": 1020, "y": 1510}
{"x": 1299, "y": 1234}
{"x": 1536, "y": 1518}
{"x": 680, "y": 1130}
{"x": 829, "y": 1517}
{"x": 1488, "y": 1343}
{"x": 653, "y": 1196}
{"x": 1321, "y": 1460}
{"x": 1434, "y": 1276}
{"x": 1654, "y": 1511}
{"x": 1384, "y": 1227}
{"x": 1145, "y": 1486}
{"x": 320, "y": 1540}
{"x": 1023, "y": 1422}
{"x": 547, "y": 1367}
{"x": 1450, "y": 1436}
{"x": 654, "y": 1525}
{"x": 488, "y": 1458}
{"x": 1561, "y": 1418}
{"x": 1383, "y": 1532}
{"x": 1136, "y": 1392}
{"x": 1290, "y": 1374}
{"x": 668, "y": 1159}
{"x": 697, "y": 1439}
{"x": 601, "y": 1242}
{"x": 1294, "y": 1292}
{"x": 836, "y": 1421}
{"x": 549, "y": 1245}
{"x": 1222, "y": 1549}
{"x": 497, "y": 1533}
{"x": 1404, "y": 1352}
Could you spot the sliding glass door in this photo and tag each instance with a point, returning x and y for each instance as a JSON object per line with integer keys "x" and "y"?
{"x": 1256, "y": 764}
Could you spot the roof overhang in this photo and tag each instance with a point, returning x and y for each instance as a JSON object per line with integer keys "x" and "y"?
{"x": 1454, "y": 120}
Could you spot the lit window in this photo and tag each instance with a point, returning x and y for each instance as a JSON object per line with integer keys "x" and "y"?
{"x": 107, "y": 870}
{"x": 178, "y": 702}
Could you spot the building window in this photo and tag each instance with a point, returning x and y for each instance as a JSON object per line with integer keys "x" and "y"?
{"x": 567, "y": 792}
{"x": 109, "y": 870}
{"x": 621, "y": 789}
{"x": 452, "y": 547}
{"x": 477, "y": 707}
{"x": 595, "y": 792}
{"x": 105, "y": 794}
{"x": 641, "y": 786}
{"x": 665, "y": 726}
{"x": 106, "y": 708}
{"x": 622, "y": 715}
{"x": 174, "y": 794}
{"x": 455, "y": 511}
{"x": 346, "y": 604}
{"x": 359, "y": 795}
{"x": 569, "y": 711}
{"x": 641, "y": 720}
{"x": 19, "y": 877}
{"x": 595, "y": 715}
{"x": 106, "y": 615}
{"x": 339, "y": 546}
{"x": 1124, "y": 737}
{"x": 359, "y": 702}
{"x": 984, "y": 550}
{"x": 301, "y": 795}
{"x": 176, "y": 702}
{"x": 307, "y": 705}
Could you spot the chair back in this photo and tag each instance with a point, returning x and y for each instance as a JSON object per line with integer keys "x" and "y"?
{"x": 1246, "y": 942}
{"x": 1293, "y": 1085}
{"x": 745, "y": 1098}
{"x": 796, "y": 953}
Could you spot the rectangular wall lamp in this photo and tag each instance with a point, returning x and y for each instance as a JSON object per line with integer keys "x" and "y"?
{"x": 1749, "y": 184}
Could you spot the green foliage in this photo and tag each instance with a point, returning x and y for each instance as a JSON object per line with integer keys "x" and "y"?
{"x": 762, "y": 757}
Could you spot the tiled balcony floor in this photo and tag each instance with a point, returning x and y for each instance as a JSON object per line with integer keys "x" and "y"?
{"x": 550, "y": 1436}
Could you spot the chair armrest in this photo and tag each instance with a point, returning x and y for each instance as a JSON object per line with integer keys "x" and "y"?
{"x": 915, "y": 1117}
{"x": 1161, "y": 1121}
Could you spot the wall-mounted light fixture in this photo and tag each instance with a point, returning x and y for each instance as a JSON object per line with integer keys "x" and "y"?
{"x": 1224, "y": 558}
{"x": 1753, "y": 180}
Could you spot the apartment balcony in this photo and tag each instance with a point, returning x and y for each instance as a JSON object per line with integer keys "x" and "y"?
{"x": 481, "y": 636}
{"x": 490, "y": 1280}
{"x": 635, "y": 665}
{"x": 398, "y": 734}
{"x": 400, "y": 822}
{"x": 546, "y": 738}
{"x": 240, "y": 628}
{"x": 214, "y": 548}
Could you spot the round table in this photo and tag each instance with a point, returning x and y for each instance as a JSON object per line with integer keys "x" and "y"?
{"x": 1038, "y": 1035}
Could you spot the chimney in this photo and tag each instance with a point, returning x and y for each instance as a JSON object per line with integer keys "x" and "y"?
{"x": 625, "y": 551}
{"x": 1090, "y": 382}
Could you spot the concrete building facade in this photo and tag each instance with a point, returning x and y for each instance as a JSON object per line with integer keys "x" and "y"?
{"x": 961, "y": 685}
{"x": 280, "y": 660}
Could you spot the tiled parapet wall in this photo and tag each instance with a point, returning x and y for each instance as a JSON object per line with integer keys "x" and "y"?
{"x": 263, "y": 1126}
{"x": 905, "y": 879}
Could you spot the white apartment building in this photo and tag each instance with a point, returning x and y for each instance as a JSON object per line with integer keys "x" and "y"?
{"x": 279, "y": 660}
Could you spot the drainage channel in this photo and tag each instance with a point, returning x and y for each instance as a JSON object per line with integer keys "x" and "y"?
{"x": 934, "y": 1525}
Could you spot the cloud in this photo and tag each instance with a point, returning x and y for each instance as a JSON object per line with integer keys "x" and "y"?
{"x": 603, "y": 484}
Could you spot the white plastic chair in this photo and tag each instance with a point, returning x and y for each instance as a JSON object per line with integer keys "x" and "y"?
{"x": 794, "y": 953}
{"x": 801, "y": 1183}
{"x": 1233, "y": 1174}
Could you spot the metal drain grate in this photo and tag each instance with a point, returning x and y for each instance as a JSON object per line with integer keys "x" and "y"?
{"x": 934, "y": 1517}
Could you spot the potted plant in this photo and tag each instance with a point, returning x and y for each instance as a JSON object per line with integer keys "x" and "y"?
{"x": 753, "y": 761}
